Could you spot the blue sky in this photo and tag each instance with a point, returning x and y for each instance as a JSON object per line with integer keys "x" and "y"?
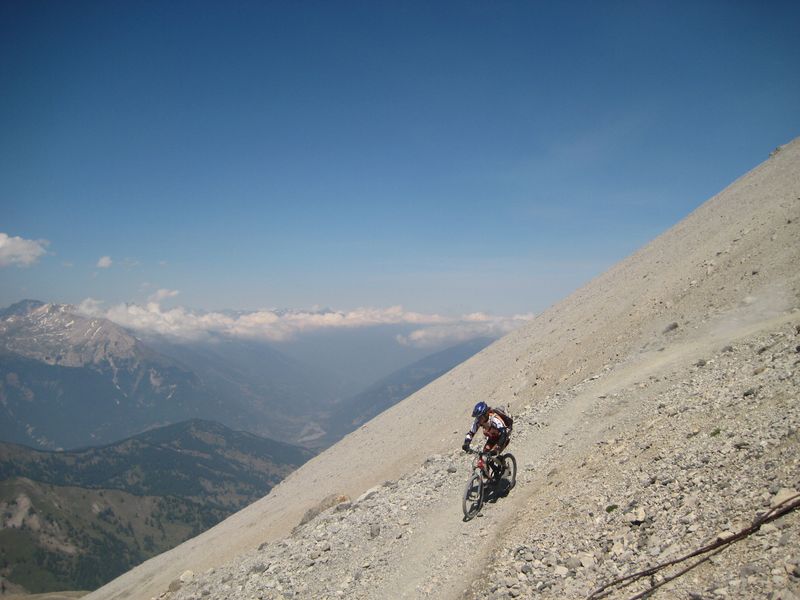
{"x": 449, "y": 157}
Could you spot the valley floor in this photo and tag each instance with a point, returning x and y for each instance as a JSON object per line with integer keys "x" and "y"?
{"x": 643, "y": 462}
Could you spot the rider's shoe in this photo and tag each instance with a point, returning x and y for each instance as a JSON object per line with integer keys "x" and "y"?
{"x": 497, "y": 471}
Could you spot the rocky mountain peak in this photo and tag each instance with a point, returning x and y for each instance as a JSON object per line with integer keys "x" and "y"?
{"x": 57, "y": 334}
{"x": 23, "y": 307}
{"x": 69, "y": 380}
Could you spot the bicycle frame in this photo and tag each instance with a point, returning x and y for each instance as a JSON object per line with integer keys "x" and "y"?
{"x": 480, "y": 462}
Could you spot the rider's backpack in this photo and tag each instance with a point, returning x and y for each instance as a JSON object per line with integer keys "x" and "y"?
{"x": 501, "y": 412}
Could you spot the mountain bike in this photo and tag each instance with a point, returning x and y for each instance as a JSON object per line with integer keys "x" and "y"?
{"x": 486, "y": 483}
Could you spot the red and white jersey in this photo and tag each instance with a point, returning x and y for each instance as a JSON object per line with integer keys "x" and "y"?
{"x": 492, "y": 429}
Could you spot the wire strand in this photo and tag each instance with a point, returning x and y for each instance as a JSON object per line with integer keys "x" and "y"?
{"x": 781, "y": 509}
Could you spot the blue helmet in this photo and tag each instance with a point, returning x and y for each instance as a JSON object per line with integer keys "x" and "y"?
{"x": 481, "y": 408}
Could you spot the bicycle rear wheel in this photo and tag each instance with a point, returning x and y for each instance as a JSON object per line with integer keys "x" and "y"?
{"x": 510, "y": 469}
{"x": 473, "y": 495}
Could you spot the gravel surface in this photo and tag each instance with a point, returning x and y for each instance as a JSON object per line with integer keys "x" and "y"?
{"x": 656, "y": 410}
{"x": 664, "y": 466}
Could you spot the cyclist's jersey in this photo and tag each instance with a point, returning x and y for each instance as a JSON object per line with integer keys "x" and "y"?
{"x": 493, "y": 429}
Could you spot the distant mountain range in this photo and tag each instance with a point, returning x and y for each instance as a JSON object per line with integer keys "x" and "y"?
{"x": 74, "y": 520}
{"x": 68, "y": 380}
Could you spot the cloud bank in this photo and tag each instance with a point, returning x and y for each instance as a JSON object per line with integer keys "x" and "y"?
{"x": 277, "y": 326}
{"x": 463, "y": 329}
{"x": 162, "y": 294}
{"x": 19, "y": 251}
{"x": 105, "y": 262}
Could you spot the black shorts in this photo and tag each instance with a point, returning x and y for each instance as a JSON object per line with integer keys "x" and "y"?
{"x": 497, "y": 445}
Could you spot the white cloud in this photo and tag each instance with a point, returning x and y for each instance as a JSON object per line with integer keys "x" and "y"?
{"x": 104, "y": 262}
{"x": 468, "y": 327}
{"x": 90, "y": 306}
{"x": 274, "y": 325}
{"x": 19, "y": 251}
{"x": 162, "y": 294}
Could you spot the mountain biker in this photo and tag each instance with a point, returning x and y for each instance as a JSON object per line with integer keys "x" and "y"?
{"x": 494, "y": 428}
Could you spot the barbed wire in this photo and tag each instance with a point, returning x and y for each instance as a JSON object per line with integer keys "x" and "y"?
{"x": 777, "y": 511}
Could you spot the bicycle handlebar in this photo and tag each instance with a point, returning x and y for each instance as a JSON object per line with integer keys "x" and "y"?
{"x": 481, "y": 452}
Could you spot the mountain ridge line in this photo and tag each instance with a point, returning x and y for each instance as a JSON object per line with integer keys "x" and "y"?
{"x": 729, "y": 265}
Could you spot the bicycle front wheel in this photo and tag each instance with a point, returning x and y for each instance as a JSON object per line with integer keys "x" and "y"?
{"x": 473, "y": 496}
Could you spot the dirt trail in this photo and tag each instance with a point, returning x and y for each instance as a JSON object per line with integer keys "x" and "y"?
{"x": 449, "y": 554}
